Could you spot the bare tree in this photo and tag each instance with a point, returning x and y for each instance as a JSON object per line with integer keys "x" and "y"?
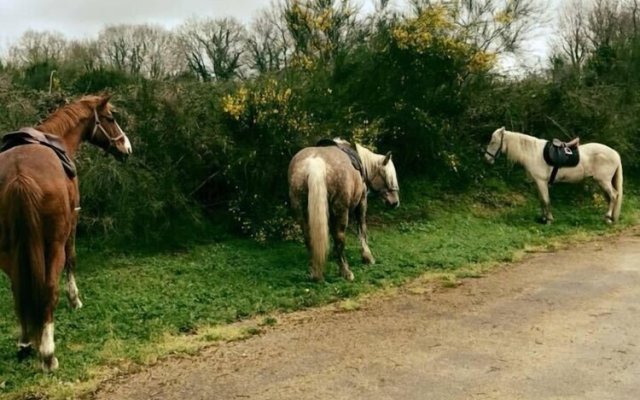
{"x": 268, "y": 45}
{"x": 573, "y": 42}
{"x": 213, "y": 47}
{"x": 613, "y": 21}
{"x": 499, "y": 26}
{"x": 147, "y": 50}
{"x": 604, "y": 22}
{"x": 82, "y": 54}
{"x": 114, "y": 42}
{"x": 37, "y": 47}
{"x": 321, "y": 29}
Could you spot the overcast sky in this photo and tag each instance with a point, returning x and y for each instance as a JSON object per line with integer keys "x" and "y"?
{"x": 85, "y": 18}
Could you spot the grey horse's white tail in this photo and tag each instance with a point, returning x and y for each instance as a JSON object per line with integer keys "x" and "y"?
{"x": 617, "y": 184}
{"x": 318, "y": 212}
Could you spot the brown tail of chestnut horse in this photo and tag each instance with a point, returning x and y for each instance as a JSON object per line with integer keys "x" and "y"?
{"x": 24, "y": 239}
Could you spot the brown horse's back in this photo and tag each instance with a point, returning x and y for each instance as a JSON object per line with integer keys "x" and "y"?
{"x": 43, "y": 166}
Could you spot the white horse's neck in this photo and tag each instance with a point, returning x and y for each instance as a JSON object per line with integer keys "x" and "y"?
{"x": 522, "y": 149}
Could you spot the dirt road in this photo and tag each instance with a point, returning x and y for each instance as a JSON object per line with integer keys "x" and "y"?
{"x": 560, "y": 325}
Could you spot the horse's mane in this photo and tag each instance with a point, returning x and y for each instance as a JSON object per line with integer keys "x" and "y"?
{"x": 368, "y": 157}
{"x": 371, "y": 162}
{"x": 68, "y": 116}
{"x": 520, "y": 146}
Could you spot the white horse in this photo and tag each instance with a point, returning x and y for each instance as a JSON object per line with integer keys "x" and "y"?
{"x": 598, "y": 161}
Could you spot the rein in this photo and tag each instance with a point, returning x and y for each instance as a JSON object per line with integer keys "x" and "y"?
{"x": 499, "y": 151}
{"x": 98, "y": 125}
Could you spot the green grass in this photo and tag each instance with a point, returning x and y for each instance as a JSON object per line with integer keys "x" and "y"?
{"x": 137, "y": 305}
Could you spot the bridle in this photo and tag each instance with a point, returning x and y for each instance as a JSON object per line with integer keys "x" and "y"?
{"x": 499, "y": 151}
{"x": 98, "y": 125}
{"x": 386, "y": 189}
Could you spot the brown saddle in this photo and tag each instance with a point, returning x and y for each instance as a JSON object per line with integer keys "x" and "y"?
{"x": 32, "y": 136}
{"x": 570, "y": 144}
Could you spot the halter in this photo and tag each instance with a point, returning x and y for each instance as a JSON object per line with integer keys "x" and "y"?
{"x": 98, "y": 125}
{"x": 499, "y": 151}
{"x": 386, "y": 189}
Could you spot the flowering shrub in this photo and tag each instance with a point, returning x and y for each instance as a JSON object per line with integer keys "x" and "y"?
{"x": 267, "y": 128}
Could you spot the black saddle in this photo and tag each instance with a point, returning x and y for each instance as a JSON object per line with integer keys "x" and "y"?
{"x": 559, "y": 154}
{"x": 348, "y": 150}
{"x": 31, "y": 136}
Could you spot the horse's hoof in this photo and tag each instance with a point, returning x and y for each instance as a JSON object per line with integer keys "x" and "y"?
{"x": 49, "y": 364}
{"x": 76, "y": 304}
{"x": 24, "y": 351}
{"x": 368, "y": 259}
{"x": 608, "y": 220}
{"x": 348, "y": 276}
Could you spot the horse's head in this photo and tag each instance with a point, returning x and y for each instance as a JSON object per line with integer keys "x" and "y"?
{"x": 384, "y": 181}
{"x": 105, "y": 131}
{"x": 495, "y": 146}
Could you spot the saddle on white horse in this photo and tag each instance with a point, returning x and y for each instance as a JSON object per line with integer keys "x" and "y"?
{"x": 559, "y": 154}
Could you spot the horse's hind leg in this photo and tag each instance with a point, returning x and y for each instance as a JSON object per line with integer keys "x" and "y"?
{"x": 70, "y": 268}
{"x": 55, "y": 264}
{"x": 545, "y": 202}
{"x": 361, "y": 219}
{"x": 338, "y": 232}
{"x": 303, "y": 221}
{"x": 612, "y": 194}
{"x": 25, "y": 348}
{"x": 24, "y": 343}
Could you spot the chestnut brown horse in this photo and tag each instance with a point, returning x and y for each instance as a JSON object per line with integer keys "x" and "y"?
{"x": 39, "y": 203}
{"x": 326, "y": 183}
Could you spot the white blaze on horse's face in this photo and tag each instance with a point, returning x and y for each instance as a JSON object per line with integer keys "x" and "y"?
{"x": 113, "y": 138}
{"x": 495, "y": 146}
{"x": 123, "y": 145}
{"x": 387, "y": 184}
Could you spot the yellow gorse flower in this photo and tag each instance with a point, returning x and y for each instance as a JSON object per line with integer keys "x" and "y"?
{"x": 235, "y": 105}
{"x": 420, "y": 33}
{"x": 482, "y": 61}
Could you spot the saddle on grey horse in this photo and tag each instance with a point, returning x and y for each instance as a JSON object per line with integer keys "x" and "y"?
{"x": 32, "y": 136}
{"x": 348, "y": 150}
{"x": 559, "y": 154}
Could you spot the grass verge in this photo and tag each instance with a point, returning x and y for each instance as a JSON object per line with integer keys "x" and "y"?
{"x": 141, "y": 307}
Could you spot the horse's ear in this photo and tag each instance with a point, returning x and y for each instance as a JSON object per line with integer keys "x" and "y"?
{"x": 501, "y": 130}
{"x": 387, "y": 158}
{"x": 104, "y": 100}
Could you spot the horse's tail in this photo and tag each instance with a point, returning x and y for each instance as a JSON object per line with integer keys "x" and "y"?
{"x": 318, "y": 211}
{"x": 617, "y": 184}
{"x": 24, "y": 239}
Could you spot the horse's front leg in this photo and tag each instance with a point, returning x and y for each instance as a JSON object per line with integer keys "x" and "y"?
{"x": 545, "y": 202}
{"x": 338, "y": 232}
{"x": 70, "y": 268}
{"x": 361, "y": 219}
